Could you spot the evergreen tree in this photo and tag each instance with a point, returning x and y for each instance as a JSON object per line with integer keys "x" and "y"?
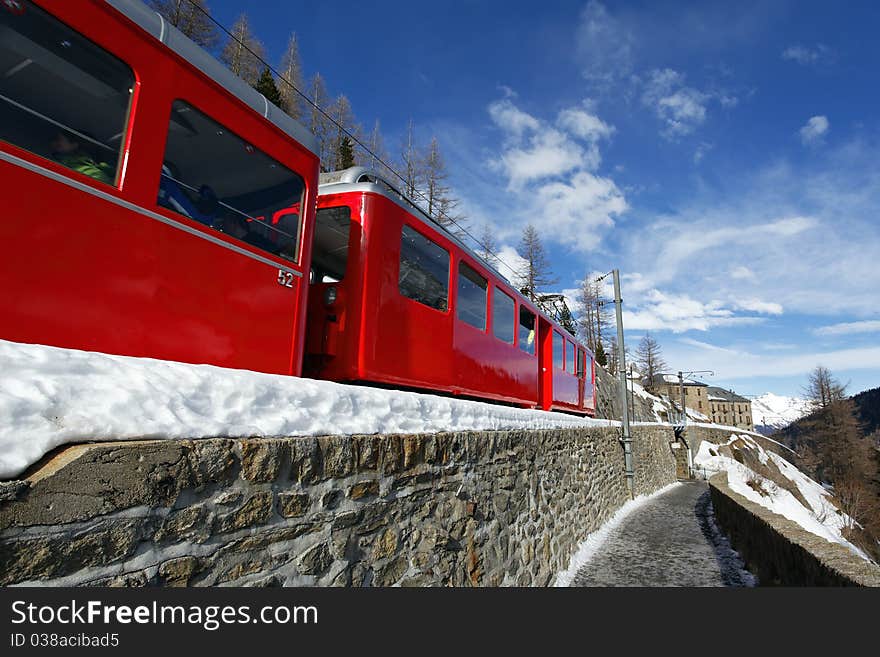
{"x": 601, "y": 357}
{"x": 291, "y": 79}
{"x": 266, "y": 86}
{"x": 341, "y": 147}
{"x": 535, "y": 273}
{"x": 192, "y": 17}
{"x": 243, "y": 52}
{"x": 345, "y": 155}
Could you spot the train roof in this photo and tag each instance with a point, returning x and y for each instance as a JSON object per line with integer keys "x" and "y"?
{"x": 364, "y": 179}
{"x": 154, "y": 24}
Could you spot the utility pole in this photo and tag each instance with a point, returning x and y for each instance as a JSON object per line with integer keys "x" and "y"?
{"x": 624, "y": 402}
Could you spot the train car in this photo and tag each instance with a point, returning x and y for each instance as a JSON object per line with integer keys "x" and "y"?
{"x": 397, "y": 300}
{"x": 153, "y": 204}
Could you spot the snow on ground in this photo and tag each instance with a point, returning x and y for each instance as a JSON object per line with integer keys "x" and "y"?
{"x": 778, "y": 411}
{"x": 820, "y": 517}
{"x": 51, "y": 396}
{"x": 593, "y": 543}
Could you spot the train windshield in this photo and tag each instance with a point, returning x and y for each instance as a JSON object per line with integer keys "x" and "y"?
{"x": 330, "y": 250}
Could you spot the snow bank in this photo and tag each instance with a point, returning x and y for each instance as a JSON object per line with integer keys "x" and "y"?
{"x": 593, "y": 543}
{"x": 821, "y": 517}
{"x": 51, "y": 396}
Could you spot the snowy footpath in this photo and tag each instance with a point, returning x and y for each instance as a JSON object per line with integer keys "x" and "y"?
{"x": 50, "y": 397}
{"x": 667, "y": 539}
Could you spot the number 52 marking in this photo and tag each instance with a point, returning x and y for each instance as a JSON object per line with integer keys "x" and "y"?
{"x": 285, "y": 278}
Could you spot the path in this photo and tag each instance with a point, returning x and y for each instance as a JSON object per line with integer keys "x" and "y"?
{"x": 671, "y": 540}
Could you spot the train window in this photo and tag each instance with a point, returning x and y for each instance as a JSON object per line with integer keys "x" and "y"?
{"x": 471, "y": 300}
{"x": 569, "y": 356}
{"x": 580, "y": 364}
{"x": 503, "y": 310}
{"x": 61, "y": 96}
{"x": 212, "y": 175}
{"x": 526, "y": 330}
{"x": 424, "y": 270}
{"x": 330, "y": 252}
{"x": 558, "y": 351}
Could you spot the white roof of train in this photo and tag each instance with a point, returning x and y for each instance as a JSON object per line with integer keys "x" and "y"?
{"x": 153, "y": 23}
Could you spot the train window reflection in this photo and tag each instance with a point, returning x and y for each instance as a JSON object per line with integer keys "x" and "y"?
{"x": 61, "y": 96}
{"x": 330, "y": 252}
{"x": 212, "y": 175}
{"x": 526, "y": 330}
{"x": 424, "y": 270}
{"x": 558, "y": 351}
{"x": 471, "y": 300}
{"x": 503, "y": 308}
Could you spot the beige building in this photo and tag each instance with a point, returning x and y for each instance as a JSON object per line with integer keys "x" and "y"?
{"x": 730, "y": 409}
{"x": 695, "y": 396}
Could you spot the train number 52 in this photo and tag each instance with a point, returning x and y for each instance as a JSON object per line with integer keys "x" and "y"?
{"x": 285, "y": 278}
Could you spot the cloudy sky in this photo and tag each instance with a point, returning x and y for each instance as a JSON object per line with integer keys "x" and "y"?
{"x": 723, "y": 156}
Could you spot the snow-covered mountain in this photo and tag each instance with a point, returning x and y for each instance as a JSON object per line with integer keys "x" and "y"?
{"x": 772, "y": 412}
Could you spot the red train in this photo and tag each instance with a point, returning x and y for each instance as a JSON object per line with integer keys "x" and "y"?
{"x": 133, "y": 164}
{"x": 396, "y": 299}
{"x": 173, "y": 210}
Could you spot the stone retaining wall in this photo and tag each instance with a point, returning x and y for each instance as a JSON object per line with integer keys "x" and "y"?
{"x": 781, "y": 552}
{"x": 490, "y": 508}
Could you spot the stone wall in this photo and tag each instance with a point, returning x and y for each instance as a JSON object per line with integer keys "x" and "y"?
{"x": 491, "y": 508}
{"x": 780, "y": 551}
{"x": 608, "y": 400}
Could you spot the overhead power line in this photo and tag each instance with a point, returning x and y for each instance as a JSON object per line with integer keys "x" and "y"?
{"x": 349, "y": 134}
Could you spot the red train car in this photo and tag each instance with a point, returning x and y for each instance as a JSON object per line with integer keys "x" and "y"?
{"x": 153, "y": 204}
{"x": 397, "y": 300}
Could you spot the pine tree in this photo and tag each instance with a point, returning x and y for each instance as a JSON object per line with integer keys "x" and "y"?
{"x": 192, "y": 17}
{"x": 341, "y": 147}
{"x": 266, "y": 86}
{"x": 601, "y": 357}
{"x": 243, "y": 52}
{"x": 345, "y": 155}
{"x": 649, "y": 358}
{"x": 535, "y": 273}
{"x": 291, "y": 79}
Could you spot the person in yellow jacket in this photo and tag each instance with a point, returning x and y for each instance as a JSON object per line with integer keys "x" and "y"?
{"x": 71, "y": 154}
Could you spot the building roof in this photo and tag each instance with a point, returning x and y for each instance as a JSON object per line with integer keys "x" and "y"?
{"x": 671, "y": 379}
{"x": 720, "y": 394}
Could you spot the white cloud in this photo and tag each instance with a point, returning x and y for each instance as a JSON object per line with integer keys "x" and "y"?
{"x": 550, "y": 169}
{"x": 759, "y": 306}
{"x": 510, "y": 118}
{"x": 702, "y": 148}
{"x": 804, "y": 55}
{"x": 584, "y": 125}
{"x": 659, "y": 311}
{"x": 814, "y": 129}
{"x": 604, "y": 45}
{"x": 735, "y": 363}
{"x": 849, "y": 328}
{"x": 681, "y": 108}
{"x": 742, "y": 273}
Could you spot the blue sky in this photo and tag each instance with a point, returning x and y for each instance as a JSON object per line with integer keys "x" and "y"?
{"x": 724, "y": 156}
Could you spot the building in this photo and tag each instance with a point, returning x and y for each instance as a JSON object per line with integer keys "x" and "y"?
{"x": 695, "y": 396}
{"x": 729, "y": 408}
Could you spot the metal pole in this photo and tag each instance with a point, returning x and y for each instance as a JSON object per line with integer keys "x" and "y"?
{"x": 624, "y": 402}
{"x": 681, "y": 395}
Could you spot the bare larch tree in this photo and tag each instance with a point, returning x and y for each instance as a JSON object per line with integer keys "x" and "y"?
{"x": 649, "y": 358}
{"x": 190, "y": 17}
{"x": 536, "y": 273}
{"x": 291, "y": 79}
{"x": 243, "y": 52}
